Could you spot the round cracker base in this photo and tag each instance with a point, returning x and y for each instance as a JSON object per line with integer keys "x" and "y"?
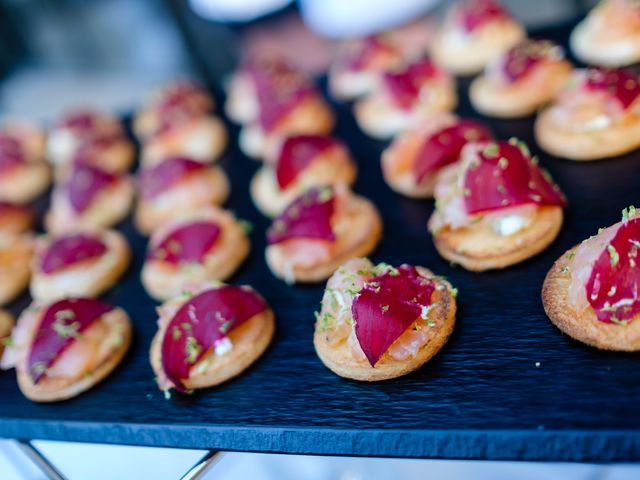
{"x": 341, "y": 362}
{"x": 318, "y": 273}
{"x": 487, "y": 254}
{"x": 57, "y": 390}
{"x": 598, "y": 145}
{"x": 585, "y": 328}
{"x": 163, "y": 283}
{"x": 48, "y": 287}
{"x": 232, "y": 363}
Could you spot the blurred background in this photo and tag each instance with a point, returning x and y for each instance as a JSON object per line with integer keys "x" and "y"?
{"x": 56, "y": 54}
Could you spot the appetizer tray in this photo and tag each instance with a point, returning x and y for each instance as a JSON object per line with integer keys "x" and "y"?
{"x": 508, "y": 385}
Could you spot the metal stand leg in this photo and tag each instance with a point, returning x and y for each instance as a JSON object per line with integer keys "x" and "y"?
{"x": 204, "y": 464}
{"x": 40, "y": 460}
{"x": 52, "y": 473}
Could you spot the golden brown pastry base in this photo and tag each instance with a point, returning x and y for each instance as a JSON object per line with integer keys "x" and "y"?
{"x": 379, "y": 117}
{"x": 312, "y": 116}
{"x": 14, "y": 222}
{"x": 57, "y": 389}
{"x": 163, "y": 281}
{"x": 586, "y": 327}
{"x": 25, "y": 183}
{"x": 203, "y": 140}
{"x": 15, "y": 267}
{"x": 196, "y": 191}
{"x": 250, "y": 340}
{"x": 270, "y": 200}
{"x": 109, "y": 207}
{"x": 281, "y": 267}
{"x": 339, "y": 359}
{"x": 593, "y": 50}
{"x": 604, "y": 143}
{"x": 520, "y": 99}
{"x": 88, "y": 279}
{"x": 480, "y": 248}
{"x": 6, "y": 325}
{"x": 486, "y": 44}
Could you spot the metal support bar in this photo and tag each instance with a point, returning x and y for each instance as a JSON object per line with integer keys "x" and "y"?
{"x": 204, "y": 464}
{"x": 196, "y": 472}
{"x": 45, "y": 466}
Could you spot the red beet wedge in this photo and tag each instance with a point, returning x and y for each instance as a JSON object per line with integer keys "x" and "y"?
{"x": 386, "y": 306}
{"x": 443, "y": 147}
{"x": 159, "y": 178}
{"x": 14, "y": 208}
{"x": 9, "y": 144}
{"x": 613, "y": 288}
{"x": 524, "y": 57}
{"x": 177, "y": 98}
{"x": 504, "y": 175}
{"x": 201, "y": 323}
{"x": 279, "y": 89}
{"x": 81, "y": 122}
{"x": 297, "y": 153}
{"x": 60, "y": 326}
{"x": 309, "y": 216}
{"x": 187, "y": 244}
{"x": 93, "y": 146}
{"x": 364, "y": 52}
{"x": 477, "y": 13}
{"x": 85, "y": 183}
{"x": 404, "y": 86}
{"x": 621, "y": 84}
{"x": 70, "y": 250}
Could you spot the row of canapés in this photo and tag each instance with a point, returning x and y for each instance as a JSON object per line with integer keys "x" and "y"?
{"x": 586, "y": 114}
{"x": 495, "y": 207}
{"x": 376, "y": 322}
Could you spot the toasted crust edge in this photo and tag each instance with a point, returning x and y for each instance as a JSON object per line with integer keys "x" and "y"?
{"x": 243, "y": 355}
{"x": 491, "y": 262}
{"x": 319, "y": 273}
{"x": 607, "y": 143}
{"x": 387, "y": 368}
{"x": 39, "y": 394}
{"x": 585, "y": 328}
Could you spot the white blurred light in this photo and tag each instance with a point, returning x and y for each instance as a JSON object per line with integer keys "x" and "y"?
{"x": 236, "y": 10}
{"x": 353, "y": 18}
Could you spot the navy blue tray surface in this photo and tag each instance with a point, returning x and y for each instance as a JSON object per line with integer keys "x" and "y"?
{"x": 508, "y": 385}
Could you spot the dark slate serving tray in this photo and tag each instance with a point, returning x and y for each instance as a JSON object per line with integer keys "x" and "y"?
{"x": 508, "y": 385}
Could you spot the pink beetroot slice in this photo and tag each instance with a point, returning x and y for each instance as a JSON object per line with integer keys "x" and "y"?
{"x": 85, "y": 183}
{"x": 308, "y": 216}
{"x": 81, "y": 121}
{"x": 159, "y": 178}
{"x": 621, "y": 84}
{"x": 14, "y": 208}
{"x": 364, "y": 52}
{"x": 613, "y": 287}
{"x": 70, "y": 250}
{"x": 524, "y": 57}
{"x": 177, "y": 98}
{"x": 443, "y": 147}
{"x": 297, "y": 153}
{"x": 201, "y": 324}
{"x": 279, "y": 89}
{"x": 386, "y": 306}
{"x": 404, "y": 86}
{"x": 504, "y": 175}
{"x": 187, "y": 243}
{"x": 477, "y": 13}
{"x": 61, "y": 324}
{"x": 11, "y": 154}
{"x": 94, "y": 146}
